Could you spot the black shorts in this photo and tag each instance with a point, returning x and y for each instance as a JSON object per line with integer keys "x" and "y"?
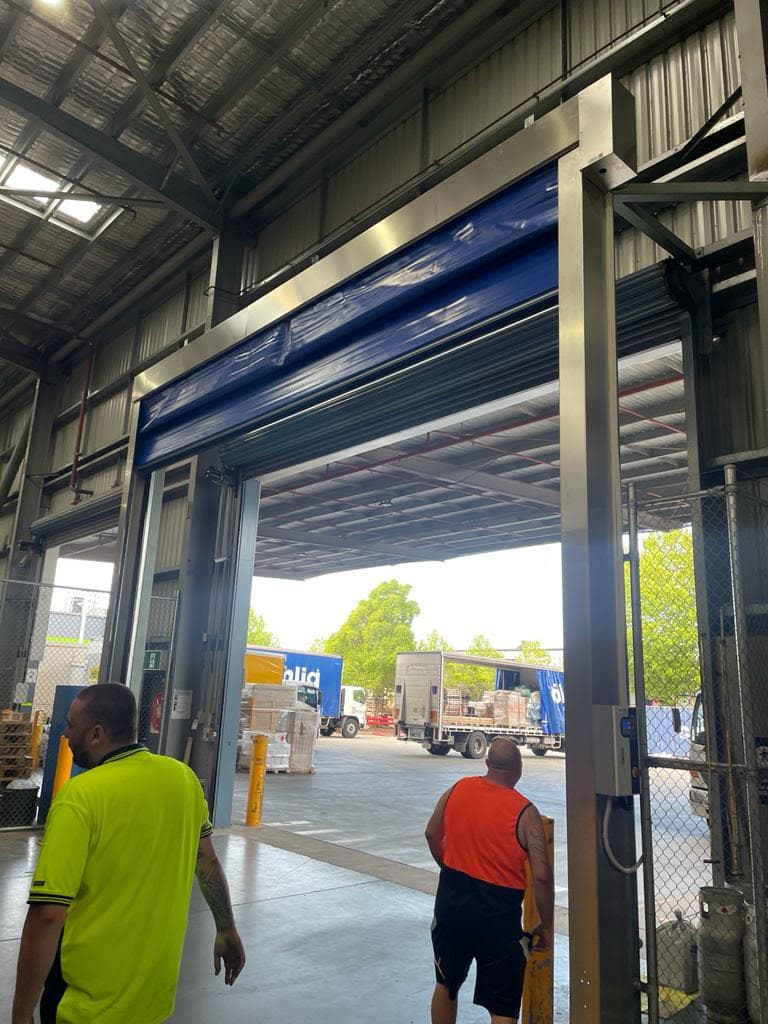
{"x": 496, "y": 946}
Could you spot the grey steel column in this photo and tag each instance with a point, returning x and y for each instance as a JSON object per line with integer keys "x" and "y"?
{"x": 241, "y": 581}
{"x": 646, "y": 823}
{"x": 25, "y": 562}
{"x": 225, "y": 278}
{"x": 706, "y": 523}
{"x": 118, "y": 627}
{"x": 747, "y": 686}
{"x": 604, "y": 955}
{"x": 752, "y": 32}
{"x": 134, "y": 676}
{"x": 196, "y": 575}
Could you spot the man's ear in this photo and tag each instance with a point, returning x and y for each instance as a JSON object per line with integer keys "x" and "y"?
{"x": 97, "y": 733}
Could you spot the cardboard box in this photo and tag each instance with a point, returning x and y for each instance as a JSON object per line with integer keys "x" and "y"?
{"x": 264, "y": 719}
{"x": 510, "y": 709}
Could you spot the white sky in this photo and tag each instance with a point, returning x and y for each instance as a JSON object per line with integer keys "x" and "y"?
{"x": 508, "y": 596}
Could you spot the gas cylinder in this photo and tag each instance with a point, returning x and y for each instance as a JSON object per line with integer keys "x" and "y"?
{"x": 721, "y": 955}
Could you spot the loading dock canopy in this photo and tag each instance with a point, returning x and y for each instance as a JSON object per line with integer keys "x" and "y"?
{"x": 489, "y": 482}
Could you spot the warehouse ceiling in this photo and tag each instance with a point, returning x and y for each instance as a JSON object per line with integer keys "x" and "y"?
{"x": 488, "y": 481}
{"x": 158, "y": 116}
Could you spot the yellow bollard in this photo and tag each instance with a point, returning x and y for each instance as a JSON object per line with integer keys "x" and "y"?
{"x": 256, "y": 782}
{"x": 63, "y": 766}
{"x": 38, "y": 721}
{"x": 539, "y": 988}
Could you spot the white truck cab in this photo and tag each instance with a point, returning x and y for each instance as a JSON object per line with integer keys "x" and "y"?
{"x": 351, "y": 718}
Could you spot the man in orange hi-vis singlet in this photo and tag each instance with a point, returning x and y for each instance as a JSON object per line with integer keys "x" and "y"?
{"x": 481, "y": 834}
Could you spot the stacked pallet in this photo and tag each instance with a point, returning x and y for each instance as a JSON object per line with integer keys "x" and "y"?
{"x": 456, "y": 700}
{"x": 510, "y": 709}
{"x": 15, "y": 747}
{"x": 481, "y": 708}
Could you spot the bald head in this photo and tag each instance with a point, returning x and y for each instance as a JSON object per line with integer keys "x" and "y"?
{"x": 504, "y": 757}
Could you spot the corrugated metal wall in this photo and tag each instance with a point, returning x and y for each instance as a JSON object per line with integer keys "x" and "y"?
{"x": 738, "y": 356}
{"x": 373, "y": 174}
{"x": 197, "y": 301}
{"x": 294, "y": 231}
{"x": 113, "y": 359}
{"x": 496, "y": 86}
{"x": 10, "y": 428}
{"x": 162, "y": 325}
{"x": 173, "y": 521}
{"x": 100, "y": 482}
{"x": 107, "y": 418}
{"x": 675, "y": 93}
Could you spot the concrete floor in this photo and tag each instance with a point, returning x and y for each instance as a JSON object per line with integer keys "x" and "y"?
{"x": 324, "y": 942}
{"x": 333, "y": 895}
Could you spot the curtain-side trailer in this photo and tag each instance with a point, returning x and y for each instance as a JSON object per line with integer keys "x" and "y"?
{"x": 527, "y": 703}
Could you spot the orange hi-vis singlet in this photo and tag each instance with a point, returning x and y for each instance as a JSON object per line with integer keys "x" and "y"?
{"x": 480, "y": 832}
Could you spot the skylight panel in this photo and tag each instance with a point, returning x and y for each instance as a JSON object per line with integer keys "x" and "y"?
{"x": 25, "y": 178}
{"x": 81, "y": 210}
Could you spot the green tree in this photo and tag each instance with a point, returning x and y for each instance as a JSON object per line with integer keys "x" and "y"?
{"x": 532, "y": 652}
{"x": 258, "y": 634}
{"x": 376, "y": 630}
{"x": 670, "y": 631}
{"x": 474, "y": 677}
{"x": 433, "y": 641}
{"x": 320, "y": 646}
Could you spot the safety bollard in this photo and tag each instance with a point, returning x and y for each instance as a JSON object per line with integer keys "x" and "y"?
{"x": 539, "y": 987}
{"x": 256, "y": 781}
{"x": 63, "y": 766}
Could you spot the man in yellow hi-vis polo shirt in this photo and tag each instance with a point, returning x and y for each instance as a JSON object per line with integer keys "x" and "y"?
{"x": 110, "y": 895}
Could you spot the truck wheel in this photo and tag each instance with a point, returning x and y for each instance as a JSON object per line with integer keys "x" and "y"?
{"x": 539, "y": 751}
{"x": 349, "y": 728}
{"x": 326, "y": 732}
{"x": 477, "y": 746}
{"x": 440, "y": 749}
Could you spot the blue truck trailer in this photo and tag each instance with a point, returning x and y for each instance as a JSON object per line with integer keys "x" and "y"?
{"x": 318, "y": 679}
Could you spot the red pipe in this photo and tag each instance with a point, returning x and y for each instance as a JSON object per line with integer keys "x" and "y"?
{"x": 73, "y": 477}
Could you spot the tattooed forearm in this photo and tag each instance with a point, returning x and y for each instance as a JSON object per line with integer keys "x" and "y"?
{"x": 213, "y": 886}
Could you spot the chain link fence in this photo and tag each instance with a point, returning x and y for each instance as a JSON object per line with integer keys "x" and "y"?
{"x": 698, "y": 642}
{"x": 53, "y": 637}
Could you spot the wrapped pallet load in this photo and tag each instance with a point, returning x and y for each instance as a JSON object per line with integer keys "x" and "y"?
{"x": 301, "y": 738}
{"x": 510, "y": 709}
{"x": 267, "y": 710}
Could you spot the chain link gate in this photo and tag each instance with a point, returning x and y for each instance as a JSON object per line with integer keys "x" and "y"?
{"x": 57, "y": 639}
{"x": 698, "y": 654}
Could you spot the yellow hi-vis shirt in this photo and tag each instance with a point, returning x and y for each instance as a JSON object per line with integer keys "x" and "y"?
{"x": 119, "y": 850}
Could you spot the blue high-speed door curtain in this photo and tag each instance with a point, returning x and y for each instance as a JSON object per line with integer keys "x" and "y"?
{"x": 472, "y": 272}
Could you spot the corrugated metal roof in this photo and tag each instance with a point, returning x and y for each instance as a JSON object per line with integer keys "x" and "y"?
{"x": 249, "y": 82}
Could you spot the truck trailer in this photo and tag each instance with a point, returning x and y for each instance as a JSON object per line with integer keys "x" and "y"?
{"x": 318, "y": 681}
{"x": 527, "y": 704}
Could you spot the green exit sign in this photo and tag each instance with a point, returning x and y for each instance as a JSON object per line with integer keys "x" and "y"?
{"x": 152, "y": 660}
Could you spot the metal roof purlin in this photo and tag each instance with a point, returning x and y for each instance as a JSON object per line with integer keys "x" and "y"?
{"x": 177, "y": 193}
{"x": 556, "y": 133}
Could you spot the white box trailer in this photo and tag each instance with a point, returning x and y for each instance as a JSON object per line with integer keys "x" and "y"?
{"x": 424, "y": 714}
